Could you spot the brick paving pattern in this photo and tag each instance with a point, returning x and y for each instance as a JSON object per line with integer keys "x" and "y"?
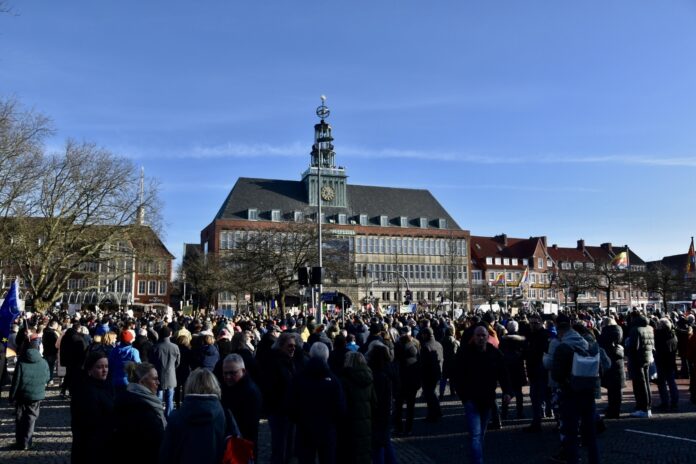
{"x": 668, "y": 438}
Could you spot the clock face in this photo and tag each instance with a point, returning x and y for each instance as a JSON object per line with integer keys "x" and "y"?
{"x": 327, "y": 193}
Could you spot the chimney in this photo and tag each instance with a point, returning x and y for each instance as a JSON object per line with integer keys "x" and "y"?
{"x": 581, "y": 245}
{"x": 543, "y": 239}
{"x": 607, "y": 246}
{"x": 554, "y": 247}
{"x": 502, "y": 238}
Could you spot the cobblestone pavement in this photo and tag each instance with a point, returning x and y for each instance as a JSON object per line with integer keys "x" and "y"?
{"x": 668, "y": 438}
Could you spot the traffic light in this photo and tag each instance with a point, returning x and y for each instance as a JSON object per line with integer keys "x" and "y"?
{"x": 317, "y": 276}
{"x": 303, "y": 276}
{"x": 409, "y": 296}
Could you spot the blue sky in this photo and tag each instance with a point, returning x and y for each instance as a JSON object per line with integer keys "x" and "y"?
{"x": 567, "y": 119}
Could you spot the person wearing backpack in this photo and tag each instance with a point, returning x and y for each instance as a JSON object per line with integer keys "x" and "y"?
{"x": 576, "y": 369}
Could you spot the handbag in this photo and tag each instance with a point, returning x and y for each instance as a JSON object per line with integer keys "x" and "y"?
{"x": 238, "y": 451}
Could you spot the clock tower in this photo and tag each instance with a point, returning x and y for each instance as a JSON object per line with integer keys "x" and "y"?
{"x": 323, "y": 172}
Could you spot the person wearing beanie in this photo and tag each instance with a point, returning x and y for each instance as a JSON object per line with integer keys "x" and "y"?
{"x": 123, "y": 353}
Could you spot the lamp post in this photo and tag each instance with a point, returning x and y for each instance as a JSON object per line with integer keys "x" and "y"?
{"x": 323, "y": 113}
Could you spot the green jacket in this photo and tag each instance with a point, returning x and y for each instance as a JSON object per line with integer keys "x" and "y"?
{"x": 30, "y": 377}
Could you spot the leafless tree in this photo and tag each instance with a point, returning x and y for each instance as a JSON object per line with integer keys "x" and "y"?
{"x": 83, "y": 201}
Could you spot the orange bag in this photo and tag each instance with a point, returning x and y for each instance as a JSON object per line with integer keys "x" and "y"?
{"x": 238, "y": 451}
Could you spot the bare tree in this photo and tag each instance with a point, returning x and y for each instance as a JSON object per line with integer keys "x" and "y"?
{"x": 276, "y": 254}
{"x": 606, "y": 277}
{"x": 84, "y": 200}
{"x": 22, "y": 134}
{"x": 455, "y": 259}
{"x": 660, "y": 279}
{"x": 575, "y": 281}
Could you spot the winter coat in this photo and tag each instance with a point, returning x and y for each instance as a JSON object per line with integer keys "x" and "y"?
{"x": 119, "y": 356}
{"x": 478, "y": 373}
{"x": 563, "y": 358}
{"x": 143, "y": 344}
{"x": 244, "y": 401}
{"x": 49, "y": 340}
{"x": 91, "y": 418}
{"x": 450, "y": 345}
{"x": 277, "y": 379}
{"x": 195, "y": 433}
{"x": 166, "y": 357}
{"x": 610, "y": 340}
{"x": 184, "y": 368}
{"x": 431, "y": 357}
{"x": 407, "y": 358}
{"x": 355, "y": 433}
{"x": 666, "y": 350}
{"x": 640, "y": 343}
{"x": 537, "y": 345}
{"x": 30, "y": 377}
{"x": 135, "y": 419}
{"x": 513, "y": 347}
{"x": 73, "y": 346}
{"x": 316, "y": 404}
{"x": 384, "y": 381}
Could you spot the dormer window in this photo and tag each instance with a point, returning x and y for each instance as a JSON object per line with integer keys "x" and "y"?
{"x": 403, "y": 221}
{"x": 384, "y": 221}
{"x": 341, "y": 218}
{"x": 363, "y": 219}
{"x": 423, "y": 223}
{"x": 298, "y": 216}
{"x": 442, "y": 223}
{"x": 253, "y": 214}
{"x": 275, "y": 215}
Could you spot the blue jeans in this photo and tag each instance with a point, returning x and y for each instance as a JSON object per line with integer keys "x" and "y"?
{"x": 384, "y": 454}
{"x": 168, "y": 394}
{"x": 476, "y": 421}
{"x": 665, "y": 379}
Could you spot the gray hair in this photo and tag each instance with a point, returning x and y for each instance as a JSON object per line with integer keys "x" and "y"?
{"x": 283, "y": 339}
{"x": 234, "y": 358}
{"x": 202, "y": 382}
{"x": 665, "y": 323}
{"x": 512, "y": 327}
{"x": 319, "y": 350}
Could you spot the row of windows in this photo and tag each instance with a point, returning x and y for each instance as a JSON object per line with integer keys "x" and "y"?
{"x": 157, "y": 267}
{"x": 432, "y": 296}
{"x": 412, "y": 272}
{"x": 152, "y": 287}
{"x": 513, "y": 277}
{"x": 518, "y": 262}
{"x": 409, "y": 246}
{"x": 342, "y": 218}
{"x": 105, "y": 285}
{"x": 566, "y": 265}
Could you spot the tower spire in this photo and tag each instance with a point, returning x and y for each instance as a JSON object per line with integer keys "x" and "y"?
{"x": 140, "y": 220}
{"x": 323, "y": 155}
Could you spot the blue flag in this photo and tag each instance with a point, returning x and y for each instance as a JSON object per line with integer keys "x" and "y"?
{"x": 9, "y": 312}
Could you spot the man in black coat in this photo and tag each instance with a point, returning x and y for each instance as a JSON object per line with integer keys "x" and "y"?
{"x": 431, "y": 368}
{"x": 73, "y": 348}
{"x": 242, "y": 397}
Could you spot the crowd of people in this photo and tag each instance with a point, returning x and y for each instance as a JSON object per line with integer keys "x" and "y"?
{"x": 332, "y": 390}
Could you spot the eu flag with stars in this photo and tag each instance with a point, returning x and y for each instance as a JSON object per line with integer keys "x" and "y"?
{"x": 9, "y": 312}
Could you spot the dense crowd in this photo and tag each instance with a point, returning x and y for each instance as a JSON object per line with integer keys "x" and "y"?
{"x": 334, "y": 391}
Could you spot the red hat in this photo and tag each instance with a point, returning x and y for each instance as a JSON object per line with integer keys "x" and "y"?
{"x": 127, "y": 336}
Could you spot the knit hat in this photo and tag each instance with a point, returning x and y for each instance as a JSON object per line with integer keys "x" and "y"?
{"x": 127, "y": 336}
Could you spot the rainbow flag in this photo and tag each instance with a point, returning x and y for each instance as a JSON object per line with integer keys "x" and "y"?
{"x": 524, "y": 279}
{"x": 500, "y": 279}
{"x": 620, "y": 261}
{"x": 691, "y": 258}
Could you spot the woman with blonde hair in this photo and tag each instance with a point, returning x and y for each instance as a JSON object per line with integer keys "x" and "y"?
{"x": 138, "y": 416}
{"x": 196, "y": 432}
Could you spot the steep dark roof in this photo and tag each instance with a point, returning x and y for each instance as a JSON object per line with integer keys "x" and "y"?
{"x": 289, "y": 196}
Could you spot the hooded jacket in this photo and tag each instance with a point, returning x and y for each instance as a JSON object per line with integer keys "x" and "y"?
{"x": 118, "y": 358}
{"x": 640, "y": 343}
{"x": 30, "y": 377}
{"x": 361, "y": 399}
{"x": 196, "y": 432}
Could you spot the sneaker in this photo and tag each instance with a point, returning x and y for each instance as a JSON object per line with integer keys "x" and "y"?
{"x": 641, "y": 414}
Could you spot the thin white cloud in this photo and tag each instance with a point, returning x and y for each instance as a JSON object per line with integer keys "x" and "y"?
{"x": 301, "y": 149}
